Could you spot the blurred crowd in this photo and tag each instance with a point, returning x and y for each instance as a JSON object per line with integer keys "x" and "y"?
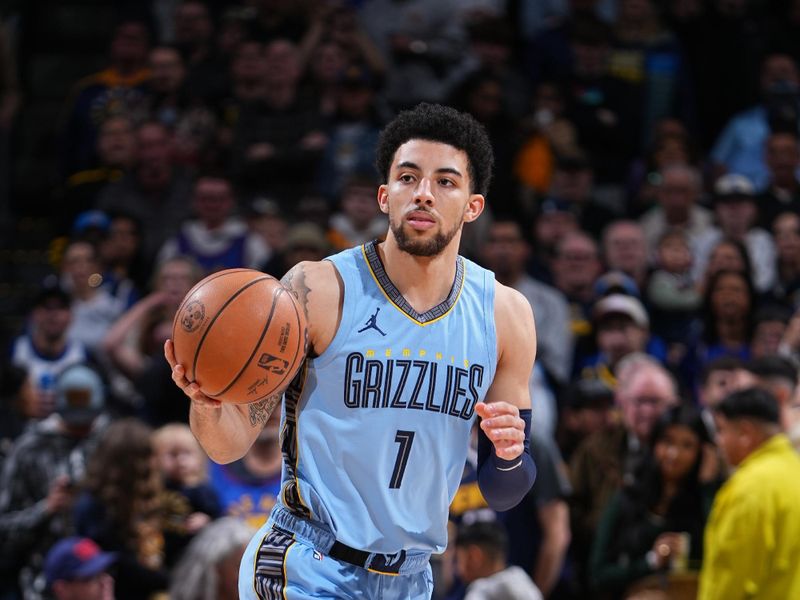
{"x": 646, "y": 201}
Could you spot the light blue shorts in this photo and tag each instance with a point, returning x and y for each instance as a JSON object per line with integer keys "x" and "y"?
{"x": 287, "y": 561}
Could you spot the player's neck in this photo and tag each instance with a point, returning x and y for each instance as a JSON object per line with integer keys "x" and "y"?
{"x": 424, "y": 281}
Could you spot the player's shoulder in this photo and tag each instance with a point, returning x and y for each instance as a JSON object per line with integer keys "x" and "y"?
{"x": 513, "y": 316}
{"x": 314, "y": 276}
{"x": 312, "y": 271}
{"x": 318, "y": 288}
{"x": 509, "y": 302}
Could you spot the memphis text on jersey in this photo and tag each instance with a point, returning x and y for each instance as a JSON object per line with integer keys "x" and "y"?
{"x": 412, "y": 383}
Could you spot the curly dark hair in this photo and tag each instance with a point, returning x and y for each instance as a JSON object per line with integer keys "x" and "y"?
{"x": 438, "y": 123}
{"x": 121, "y": 476}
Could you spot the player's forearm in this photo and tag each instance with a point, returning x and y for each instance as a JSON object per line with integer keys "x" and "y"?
{"x": 504, "y": 483}
{"x": 216, "y": 432}
{"x": 227, "y": 433}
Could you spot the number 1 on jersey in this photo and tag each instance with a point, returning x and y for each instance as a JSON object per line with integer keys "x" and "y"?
{"x": 404, "y": 439}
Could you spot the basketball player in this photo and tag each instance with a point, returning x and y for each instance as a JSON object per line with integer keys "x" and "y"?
{"x": 407, "y": 343}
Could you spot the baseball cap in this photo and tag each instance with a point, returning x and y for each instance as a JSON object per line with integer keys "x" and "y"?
{"x": 76, "y": 558}
{"x": 80, "y": 395}
{"x": 615, "y": 282}
{"x": 554, "y": 205}
{"x": 733, "y": 186}
{"x": 306, "y": 235}
{"x": 90, "y": 219}
{"x": 51, "y": 290}
{"x": 262, "y": 206}
{"x": 621, "y": 304}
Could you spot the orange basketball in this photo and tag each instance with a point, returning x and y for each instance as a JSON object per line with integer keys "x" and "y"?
{"x": 240, "y": 335}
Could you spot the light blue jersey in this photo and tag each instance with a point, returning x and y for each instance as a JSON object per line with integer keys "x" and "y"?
{"x": 376, "y": 429}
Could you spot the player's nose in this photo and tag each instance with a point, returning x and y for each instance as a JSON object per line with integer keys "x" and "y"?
{"x": 423, "y": 194}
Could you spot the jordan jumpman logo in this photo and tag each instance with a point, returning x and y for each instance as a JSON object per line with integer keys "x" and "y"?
{"x": 372, "y": 323}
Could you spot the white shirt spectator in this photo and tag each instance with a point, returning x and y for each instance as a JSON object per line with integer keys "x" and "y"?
{"x": 91, "y": 319}
{"x": 512, "y": 583}
{"x": 43, "y": 371}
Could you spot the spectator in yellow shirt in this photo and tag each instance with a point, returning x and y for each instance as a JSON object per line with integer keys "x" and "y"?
{"x": 752, "y": 540}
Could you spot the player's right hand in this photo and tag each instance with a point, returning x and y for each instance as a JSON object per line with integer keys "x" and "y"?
{"x": 191, "y": 389}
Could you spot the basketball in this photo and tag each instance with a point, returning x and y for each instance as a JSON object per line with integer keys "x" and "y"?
{"x": 240, "y": 335}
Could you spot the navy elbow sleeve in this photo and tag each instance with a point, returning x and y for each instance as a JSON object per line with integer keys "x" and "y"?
{"x": 504, "y": 483}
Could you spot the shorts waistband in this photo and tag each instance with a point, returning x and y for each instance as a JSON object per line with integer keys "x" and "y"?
{"x": 323, "y": 540}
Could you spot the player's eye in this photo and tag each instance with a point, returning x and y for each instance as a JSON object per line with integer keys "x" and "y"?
{"x": 446, "y": 182}
{"x": 406, "y": 178}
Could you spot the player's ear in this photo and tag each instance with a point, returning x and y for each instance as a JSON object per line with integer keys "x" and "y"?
{"x": 475, "y": 206}
{"x": 383, "y": 199}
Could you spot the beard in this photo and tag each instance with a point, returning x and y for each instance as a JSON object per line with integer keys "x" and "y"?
{"x": 427, "y": 248}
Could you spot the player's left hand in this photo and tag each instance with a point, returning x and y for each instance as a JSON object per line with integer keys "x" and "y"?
{"x": 502, "y": 424}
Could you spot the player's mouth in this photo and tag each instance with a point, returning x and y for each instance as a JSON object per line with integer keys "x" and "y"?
{"x": 420, "y": 220}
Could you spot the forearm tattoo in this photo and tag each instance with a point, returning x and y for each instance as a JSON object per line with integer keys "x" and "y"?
{"x": 295, "y": 282}
{"x": 261, "y": 410}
